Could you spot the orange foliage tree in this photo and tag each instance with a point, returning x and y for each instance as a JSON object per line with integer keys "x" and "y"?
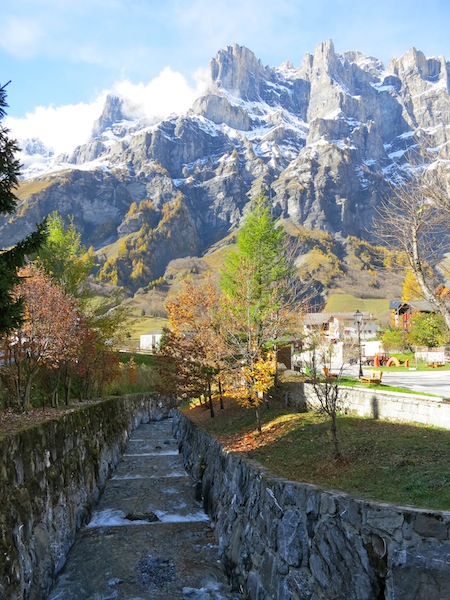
{"x": 189, "y": 358}
{"x": 48, "y": 335}
{"x": 230, "y": 337}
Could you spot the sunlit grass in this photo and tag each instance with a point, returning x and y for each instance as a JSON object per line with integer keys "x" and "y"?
{"x": 142, "y": 325}
{"x": 386, "y": 461}
{"x": 33, "y": 186}
{"x": 349, "y": 303}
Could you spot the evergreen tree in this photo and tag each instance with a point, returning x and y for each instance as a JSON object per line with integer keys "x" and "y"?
{"x": 63, "y": 257}
{"x": 257, "y": 309}
{"x": 261, "y": 254}
{"x": 13, "y": 258}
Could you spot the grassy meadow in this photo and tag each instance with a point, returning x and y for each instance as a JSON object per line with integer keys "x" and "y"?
{"x": 405, "y": 464}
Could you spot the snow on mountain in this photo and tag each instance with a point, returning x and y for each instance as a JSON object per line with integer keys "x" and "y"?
{"x": 324, "y": 139}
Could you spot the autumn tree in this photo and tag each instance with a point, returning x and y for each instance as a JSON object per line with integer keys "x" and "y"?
{"x": 231, "y": 338}
{"x": 257, "y": 306}
{"x": 103, "y": 321}
{"x": 428, "y": 329}
{"x": 47, "y": 335}
{"x": 11, "y": 305}
{"x": 394, "y": 339}
{"x": 104, "y": 327}
{"x": 180, "y": 366}
{"x": 411, "y": 289}
{"x": 190, "y": 357}
{"x": 97, "y": 364}
{"x": 414, "y": 221}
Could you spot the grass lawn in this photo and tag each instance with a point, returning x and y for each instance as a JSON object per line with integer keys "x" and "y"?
{"x": 419, "y": 367}
{"x": 139, "y": 358}
{"x": 382, "y": 387}
{"x": 353, "y": 382}
{"x": 341, "y": 302}
{"x": 399, "y": 463}
{"x": 143, "y": 325}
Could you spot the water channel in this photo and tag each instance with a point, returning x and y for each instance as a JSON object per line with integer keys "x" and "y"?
{"x": 148, "y": 537}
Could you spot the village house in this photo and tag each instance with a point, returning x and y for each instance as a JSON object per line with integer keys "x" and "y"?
{"x": 339, "y": 332}
{"x": 337, "y": 327}
{"x": 403, "y": 312}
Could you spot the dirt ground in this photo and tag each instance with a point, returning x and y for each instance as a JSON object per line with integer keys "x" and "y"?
{"x": 11, "y": 421}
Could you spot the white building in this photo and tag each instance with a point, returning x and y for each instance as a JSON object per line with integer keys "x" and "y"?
{"x": 338, "y": 327}
{"x": 336, "y": 336}
{"x": 150, "y": 341}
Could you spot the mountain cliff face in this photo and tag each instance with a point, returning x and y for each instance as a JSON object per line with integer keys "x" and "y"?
{"x": 324, "y": 141}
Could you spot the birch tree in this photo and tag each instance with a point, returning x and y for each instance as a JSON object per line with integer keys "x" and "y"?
{"x": 414, "y": 221}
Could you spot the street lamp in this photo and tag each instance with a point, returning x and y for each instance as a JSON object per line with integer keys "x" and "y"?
{"x": 358, "y": 319}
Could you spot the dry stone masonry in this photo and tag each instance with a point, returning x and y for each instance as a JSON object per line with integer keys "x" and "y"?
{"x": 276, "y": 539}
{"x": 294, "y": 541}
{"x": 51, "y": 475}
{"x": 148, "y": 537}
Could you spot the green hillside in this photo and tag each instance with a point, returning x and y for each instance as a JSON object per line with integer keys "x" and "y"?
{"x": 346, "y": 277}
{"x": 341, "y": 302}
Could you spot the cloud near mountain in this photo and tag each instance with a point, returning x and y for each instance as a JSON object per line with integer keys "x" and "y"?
{"x": 325, "y": 140}
{"x": 62, "y": 128}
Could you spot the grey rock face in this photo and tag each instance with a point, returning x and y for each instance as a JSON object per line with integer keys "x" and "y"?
{"x": 112, "y": 113}
{"x": 324, "y": 140}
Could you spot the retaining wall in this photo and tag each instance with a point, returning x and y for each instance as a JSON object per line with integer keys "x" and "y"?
{"x": 293, "y": 541}
{"x": 51, "y": 474}
{"x": 366, "y": 402}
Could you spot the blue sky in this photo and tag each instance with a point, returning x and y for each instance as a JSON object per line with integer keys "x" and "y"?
{"x": 63, "y": 55}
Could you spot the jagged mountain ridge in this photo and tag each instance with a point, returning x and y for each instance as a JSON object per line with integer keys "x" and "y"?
{"x": 324, "y": 139}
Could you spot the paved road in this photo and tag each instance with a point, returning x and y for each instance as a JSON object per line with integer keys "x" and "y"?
{"x": 431, "y": 382}
{"x": 148, "y": 538}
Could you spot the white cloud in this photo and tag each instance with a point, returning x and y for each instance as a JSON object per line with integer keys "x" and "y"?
{"x": 20, "y": 36}
{"x": 167, "y": 93}
{"x": 63, "y": 128}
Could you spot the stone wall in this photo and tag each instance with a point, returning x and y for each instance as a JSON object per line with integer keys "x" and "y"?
{"x": 365, "y": 402}
{"x": 50, "y": 476}
{"x": 294, "y": 541}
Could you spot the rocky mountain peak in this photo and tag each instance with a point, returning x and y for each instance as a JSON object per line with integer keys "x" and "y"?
{"x": 112, "y": 113}
{"x": 424, "y": 90}
{"x": 324, "y": 53}
{"x": 237, "y": 70}
{"x": 414, "y": 62}
{"x": 36, "y": 147}
{"x": 325, "y": 140}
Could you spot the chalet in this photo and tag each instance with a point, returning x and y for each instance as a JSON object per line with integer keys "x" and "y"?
{"x": 336, "y": 327}
{"x": 403, "y": 312}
